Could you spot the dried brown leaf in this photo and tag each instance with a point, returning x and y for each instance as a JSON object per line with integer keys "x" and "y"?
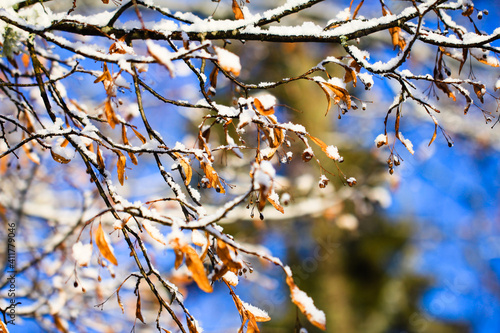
{"x": 118, "y": 299}
{"x": 340, "y": 94}
{"x": 124, "y": 135}
{"x": 306, "y": 305}
{"x": 133, "y": 158}
{"x": 100, "y": 160}
{"x": 358, "y": 7}
{"x": 212, "y": 176}
{"x": 224, "y": 254}
{"x": 58, "y": 158}
{"x": 110, "y": 113}
{"x": 238, "y": 14}
{"x": 138, "y": 312}
{"x": 105, "y": 76}
{"x": 319, "y": 142}
{"x": 191, "y": 326}
{"x": 260, "y": 108}
{"x": 433, "y": 135}
{"x": 186, "y": 167}
{"x": 195, "y": 265}
{"x": 139, "y": 135}
{"x": 480, "y": 90}
{"x": 120, "y": 167}
{"x": 276, "y": 205}
{"x": 103, "y": 246}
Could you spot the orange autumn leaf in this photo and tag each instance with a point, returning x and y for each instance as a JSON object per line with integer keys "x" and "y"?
{"x": 224, "y": 253}
{"x": 124, "y": 135}
{"x": 195, "y": 266}
{"x": 188, "y": 171}
{"x": 238, "y": 14}
{"x": 103, "y": 246}
{"x": 138, "y": 312}
{"x": 276, "y": 205}
{"x": 179, "y": 258}
{"x": 111, "y": 117}
{"x": 191, "y": 326}
{"x": 212, "y": 176}
{"x": 306, "y": 305}
{"x": 133, "y": 158}
{"x": 120, "y": 167}
{"x": 262, "y": 110}
{"x": 139, "y": 135}
{"x": 100, "y": 160}
{"x": 480, "y": 90}
{"x": 319, "y": 142}
{"x": 58, "y": 158}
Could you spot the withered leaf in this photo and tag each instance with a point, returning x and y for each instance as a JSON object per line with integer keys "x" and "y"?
{"x": 224, "y": 253}
{"x": 340, "y": 94}
{"x": 133, "y": 158}
{"x": 191, "y": 326}
{"x": 433, "y": 135}
{"x": 124, "y": 135}
{"x": 306, "y": 305}
{"x": 105, "y": 76}
{"x": 213, "y": 80}
{"x": 118, "y": 299}
{"x": 139, "y": 135}
{"x": 138, "y": 313}
{"x": 480, "y": 90}
{"x": 100, "y": 160}
{"x": 212, "y": 176}
{"x": 195, "y": 265}
{"x": 103, "y": 246}
{"x": 186, "y": 167}
{"x": 110, "y": 113}
{"x": 238, "y": 14}
{"x": 319, "y": 142}
{"x": 120, "y": 167}
{"x": 58, "y": 158}
{"x": 357, "y": 9}
{"x": 276, "y": 205}
{"x": 179, "y": 258}
{"x": 260, "y": 108}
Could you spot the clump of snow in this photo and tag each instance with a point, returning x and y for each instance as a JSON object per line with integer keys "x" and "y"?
{"x": 344, "y": 15}
{"x": 227, "y": 111}
{"x": 267, "y": 101}
{"x": 307, "y": 306}
{"x": 162, "y": 55}
{"x": 257, "y": 312}
{"x": 228, "y": 60}
{"x": 406, "y": 142}
{"x": 337, "y": 82}
{"x": 333, "y": 152}
{"x": 231, "y": 278}
{"x": 381, "y": 140}
{"x": 198, "y": 238}
{"x": 82, "y": 253}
